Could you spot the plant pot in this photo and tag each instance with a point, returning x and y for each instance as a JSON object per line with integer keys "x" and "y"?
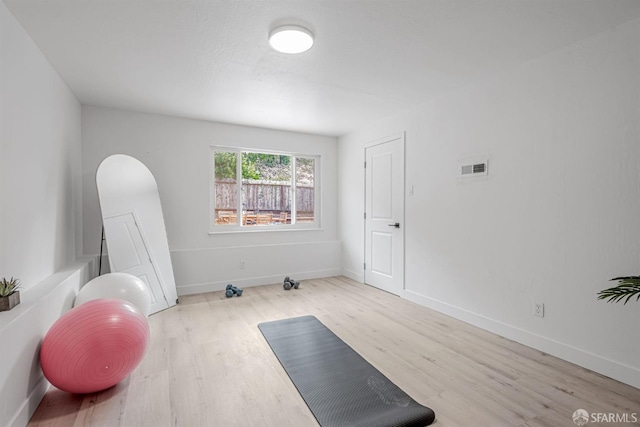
{"x": 8, "y": 302}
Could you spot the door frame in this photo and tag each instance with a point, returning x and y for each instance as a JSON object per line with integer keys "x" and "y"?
{"x": 379, "y": 141}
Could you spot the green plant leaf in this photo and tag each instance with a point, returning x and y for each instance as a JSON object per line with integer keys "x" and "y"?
{"x": 627, "y": 288}
{"x": 7, "y": 287}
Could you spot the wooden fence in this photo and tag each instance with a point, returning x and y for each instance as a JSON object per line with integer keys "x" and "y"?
{"x": 263, "y": 196}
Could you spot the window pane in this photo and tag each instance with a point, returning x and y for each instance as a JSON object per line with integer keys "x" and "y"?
{"x": 305, "y": 189}
{"x": 226, "y": 206}
{"x": 266, "y": 189}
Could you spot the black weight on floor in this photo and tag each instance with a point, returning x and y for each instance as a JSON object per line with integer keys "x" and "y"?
{"x": 339, "y": 386}
{"x": 233, "y": 290}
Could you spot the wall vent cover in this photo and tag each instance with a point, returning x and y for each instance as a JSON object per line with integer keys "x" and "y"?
{"x": 474, "y": 169}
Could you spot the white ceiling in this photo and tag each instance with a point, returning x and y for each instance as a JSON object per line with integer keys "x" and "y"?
{"x": 209, "y": 59}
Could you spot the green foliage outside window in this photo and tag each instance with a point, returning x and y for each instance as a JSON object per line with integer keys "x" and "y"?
{"x": 225, "y": 166}
{"x": 267, "y": 159}
{"x": 256, "y": 166}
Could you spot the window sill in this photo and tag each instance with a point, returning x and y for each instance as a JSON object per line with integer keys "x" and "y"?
{"x": 249, "y": 230}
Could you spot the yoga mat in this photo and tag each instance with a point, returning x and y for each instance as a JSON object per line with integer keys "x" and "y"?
{"x": 338, "y": 385}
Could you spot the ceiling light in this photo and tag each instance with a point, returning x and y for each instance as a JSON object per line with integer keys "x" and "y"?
{"x": 291, "y": 39}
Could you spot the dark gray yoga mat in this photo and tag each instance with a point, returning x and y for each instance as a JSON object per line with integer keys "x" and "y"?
{"x": 338, "y": 385}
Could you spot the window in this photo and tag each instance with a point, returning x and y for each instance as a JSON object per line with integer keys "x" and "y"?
{"x": 253, "y": 190}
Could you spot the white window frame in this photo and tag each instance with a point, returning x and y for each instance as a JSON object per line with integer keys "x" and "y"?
{"x": 239, "y": 228}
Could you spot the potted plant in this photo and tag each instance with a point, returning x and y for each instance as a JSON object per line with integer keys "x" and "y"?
{"x": 9, "y": 293}
{"x": 627, "y": 287}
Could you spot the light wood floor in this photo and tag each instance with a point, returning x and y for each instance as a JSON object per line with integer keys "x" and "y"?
{"x": 208, "y": 365}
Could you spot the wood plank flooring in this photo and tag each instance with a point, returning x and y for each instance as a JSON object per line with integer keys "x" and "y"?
{"x": 208, "y": 365}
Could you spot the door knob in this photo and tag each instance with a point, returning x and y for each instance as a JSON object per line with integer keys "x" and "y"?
{"x": 396, "y": 225}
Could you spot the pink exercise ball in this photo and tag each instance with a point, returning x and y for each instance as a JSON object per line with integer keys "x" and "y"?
{"x": 117, "y": 285}
{"x": 94, "y": 346}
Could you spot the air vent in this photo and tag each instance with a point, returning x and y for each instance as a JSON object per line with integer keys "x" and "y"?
{"x": 474, "y": 169}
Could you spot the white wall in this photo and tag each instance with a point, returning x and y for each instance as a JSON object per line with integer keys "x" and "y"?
{"x": 556, "y": 218}
{"x": 177, "y": 153}
{"x": 40, "y": 161}
{"x": 40, "y": 192}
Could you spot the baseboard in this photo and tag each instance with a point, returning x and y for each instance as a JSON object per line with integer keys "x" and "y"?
{"x": 610, "y": 368}
{"x": 358, "y": 277}
{"x": 199, "y": 288}
{"x": 30, "y": 404}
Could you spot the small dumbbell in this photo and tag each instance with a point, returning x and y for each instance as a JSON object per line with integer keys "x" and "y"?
{"x": 229, "y": 292}
{"x": 232, "y": 290}
{"x": 290, "y": 283}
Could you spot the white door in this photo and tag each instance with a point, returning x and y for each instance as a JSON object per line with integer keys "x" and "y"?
{"x": 128, "y": 253}
{"x": 384, "y": 214}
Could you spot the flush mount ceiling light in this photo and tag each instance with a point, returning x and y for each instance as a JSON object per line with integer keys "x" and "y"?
{"x": 291, "y": 39}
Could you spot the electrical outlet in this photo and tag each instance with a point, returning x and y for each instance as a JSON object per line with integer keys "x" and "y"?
{"x": 538, "y": 309}
{"x": 241, "y": 264}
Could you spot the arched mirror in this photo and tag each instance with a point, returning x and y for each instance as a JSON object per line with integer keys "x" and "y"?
{"x": 134, "y": 226}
